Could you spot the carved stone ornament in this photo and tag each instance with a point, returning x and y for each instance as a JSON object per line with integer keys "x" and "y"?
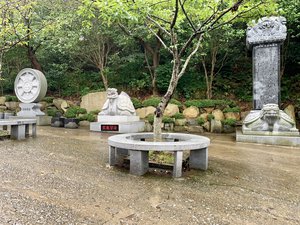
{"x": 117, "y": 105}
{"x": 269, "y": 119}
{"x": 267, "y": 30}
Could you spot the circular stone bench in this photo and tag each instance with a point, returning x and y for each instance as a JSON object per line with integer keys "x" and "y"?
{"x": 137, "y": 147}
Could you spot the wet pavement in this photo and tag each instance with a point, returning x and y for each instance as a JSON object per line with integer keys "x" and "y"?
{"x": 62, "y": 177}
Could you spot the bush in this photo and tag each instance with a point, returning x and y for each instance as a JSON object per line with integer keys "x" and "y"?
{"x": 153, "y": 101}
{"x": 137, "y": 103}
{"x": 89, "y": 117}
{"x": 176, "y": 102}
{"x": 210, "y": 117}
{"x": 48, "y": 99}
{"x": 200, "y": 121}
{"x": 74, "y": 111}
{"x": 167, "y": 119}
{"x": 95, "y": 112}
{"x": 51, "y": 112}
{"x": 11, "y": 98}
{"x": 150, "y": 118}
{"x": 233, "y": 109}
{"x": 178, "y": 116}
{"x": 230, "y": 122}
{"x": 210, "y": 103}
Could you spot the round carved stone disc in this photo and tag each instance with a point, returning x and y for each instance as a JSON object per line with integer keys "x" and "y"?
{"x": 30, "y": 85}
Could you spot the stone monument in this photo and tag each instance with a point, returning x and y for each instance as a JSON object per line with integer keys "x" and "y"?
{"x": 266, "y": 123}
{"x": 118, "y": 115}
{"x": 30, "y": 88}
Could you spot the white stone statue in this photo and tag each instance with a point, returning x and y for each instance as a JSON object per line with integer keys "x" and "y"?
{"x": 117, "y": 105}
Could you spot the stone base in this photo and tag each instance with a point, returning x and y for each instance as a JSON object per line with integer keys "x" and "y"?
{"x": 117, "y": 119}
{"x": 30, "y": 110}
{"x": 118, "y": 127}
{"x": 270, "y": 140}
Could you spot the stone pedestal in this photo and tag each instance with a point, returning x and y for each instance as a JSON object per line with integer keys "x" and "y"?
{"x": 30, "y": 110}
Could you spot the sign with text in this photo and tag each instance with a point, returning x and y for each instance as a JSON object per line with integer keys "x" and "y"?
{"x": 109, "y": 127}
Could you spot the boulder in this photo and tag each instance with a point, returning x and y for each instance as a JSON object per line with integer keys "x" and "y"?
{"x": 64, "y": 106}
{"x": 2, "y": 100}
{"x": 244, "y": 114}
{"x": 180, "y": 128}
{"x": 145, "y": 111}
{"x": 209, "y": 110}
{"x": 195, "y": 129}
{"x": 191, "y": 112}
{"x": 57, "y": 103}
{"x": 215, "y": 126}
{"x": 180, "y": 122}
{"x": 206, "y": 126}
{"x": 171, "y": 110}
{"x": 2, "y": 108}
{"x": 290, "y": 111}
{"x": 93, "y": 101}
{"x": 148, "y": 127}
{"x": 218, "y": 114}
{"x": 232, "y": 115}
{"x": 44, "y": 105}
{"x": 84, "y": 123}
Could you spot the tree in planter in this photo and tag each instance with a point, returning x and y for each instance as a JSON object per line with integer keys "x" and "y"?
{"x": 170, "y": 17}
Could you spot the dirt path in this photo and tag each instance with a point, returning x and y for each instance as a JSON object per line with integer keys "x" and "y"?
{"x": 62, "y": 177}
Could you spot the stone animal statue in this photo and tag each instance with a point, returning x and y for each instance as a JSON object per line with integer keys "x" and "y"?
{"x": 270, "y": 118}
{"x": 117, "y": 105}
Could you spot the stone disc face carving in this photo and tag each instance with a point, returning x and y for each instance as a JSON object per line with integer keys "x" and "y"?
{"x": 30, "y": 85}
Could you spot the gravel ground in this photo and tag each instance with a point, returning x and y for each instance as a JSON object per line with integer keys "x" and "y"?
{"x": 62, "y": 177}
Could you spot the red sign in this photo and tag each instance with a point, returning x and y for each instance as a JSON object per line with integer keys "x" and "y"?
{"x": 109, "y": 127}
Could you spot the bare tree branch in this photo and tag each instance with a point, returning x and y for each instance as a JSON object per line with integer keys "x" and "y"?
{"x": 175, "y": 15}
{"x": 186, "y": 16}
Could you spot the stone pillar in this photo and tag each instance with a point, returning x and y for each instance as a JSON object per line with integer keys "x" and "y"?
{"x": 265, "y": 39}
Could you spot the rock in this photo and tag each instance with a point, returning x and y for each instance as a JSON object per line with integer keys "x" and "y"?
{"x": 244, "y": 114}
{"x": 93, "y": 101}
{"x": 171, "y": 110}
{"x": 144, "y": 112}
{"x": 290, "y": 111}
{"x": 57, "y": 103}
{"x": 2, "y": 100}
{"x": 180, "y": 128}
{"x": 148, "y": 127}
{"x": 192, "y": 122}
{"x": 209, "y": 110}
{"x": 232, "y": 115}
{"x": 180, "y": 122}
{"x": 64, "y": 106}
{"x": 195, "y": 129}
{"x": 3, "y": 107}
{"x": 215, "y": 126}
{"x": 204, "y": 116}
{"x": 206, "y": 126}
{"x": 168, "y": 126}
{"x": 218, "y": 114}
{"x": 84, "y": 123}
{"x": 44, "y": 105}
{"x": 12, "y": 105}
{"x": 228, "y": 129}
{"x": 191, "y": 112}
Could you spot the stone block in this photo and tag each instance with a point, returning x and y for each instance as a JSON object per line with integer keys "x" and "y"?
{"x": 232, "y": 115}
{"x": 93, "y": 101}
{"x": 218, "y": 114}
{"x": 215, "y": 126}
{"x": 171, "y": 110}
{"x": 145, "y": 111}
{"x": 139, "y": 162}
{"x": 194, "y": 129}
{"x": 12, "y": 105}
{"x": 191, "y": 112}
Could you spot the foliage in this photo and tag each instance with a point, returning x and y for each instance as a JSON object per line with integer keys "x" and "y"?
{"x": 150, "y": 118}
{"x": 229, "y": 122}
{"x": 11, "y": 98}
{"x": 52, "y": 111}
{"x": 210, "y": 103}
{"x": 95, "y": 112}
{"x": 210, "y": 117}
{"x": 89, "y": 117}
{"x": 167, "y": 119}
{"x": 200, "y": 121}
{"x": 48, "y": 99}
{"x": 152, "y": 101}
{"x": 136, "y": 103}
{"x": 233, "y": 109}
{"x": 178, "y": 116}
{"x": 74, "y": 111}
{"x": 176, "y": 102}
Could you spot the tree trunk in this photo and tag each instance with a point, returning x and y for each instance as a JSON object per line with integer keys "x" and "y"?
{"x": 104, "y": 79}
{"x": 33, "y": 59}
{"x": 1, "y": 79}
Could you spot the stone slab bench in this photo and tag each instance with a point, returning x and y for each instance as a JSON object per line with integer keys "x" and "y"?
{"x": 137, "y": 147}
{"x": 19, "y": 128}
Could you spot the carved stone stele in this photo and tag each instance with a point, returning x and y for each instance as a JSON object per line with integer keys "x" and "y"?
{"x": 267, "y": 30}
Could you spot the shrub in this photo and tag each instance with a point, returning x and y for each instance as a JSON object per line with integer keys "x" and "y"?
{"x": 48, "y": 99}
{"x": 233, "y": 109}
{"x": 73, "y": 112}
{"x": 150, "y": 118}
{"x": 230, "y": 122}
{"x": 178, "y": 116}
{"x": 95, "y": 112}
{"x": 200, "y": 121}
{"x": 137, "y": 103}
{"x": 11, "y": 98}
{"x": 167, "y": 119}
{"x": 210, "y": 103}
{"x": 210, "y": 117}
{"x": 89, "y": 117}
{"x": 176, "y": 102}
{"x": 153, "y": 101}
{"x": 52, "y": 112}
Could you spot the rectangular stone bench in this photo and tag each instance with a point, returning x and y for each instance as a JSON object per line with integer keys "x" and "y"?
{"x": 19, "y": 128}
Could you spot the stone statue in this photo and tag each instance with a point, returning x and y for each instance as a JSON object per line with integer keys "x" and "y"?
{"x": 269, "y": 119}
{"x": 117, "y": 105}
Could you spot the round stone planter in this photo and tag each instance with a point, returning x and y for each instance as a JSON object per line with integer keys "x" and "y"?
{"x": 138, "y": 145}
